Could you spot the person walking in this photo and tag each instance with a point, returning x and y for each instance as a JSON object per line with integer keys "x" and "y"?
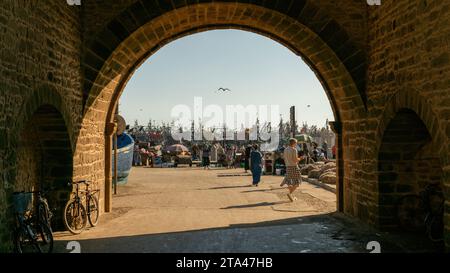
{"x": 325, "y": 149}
{"x": 315, "y": 152}
{"x": 256, "y": 165}
{"x": 136, "y": 156}
{"x": 144, "y": 157}
{"x": 205, "y": 157}
{"x": 248, "y": 150}
{"x": 293, "y": 176}
{"x": 230, "y": 157}
{"x": 333, "y": 151}
{"x": 306, "y": 152}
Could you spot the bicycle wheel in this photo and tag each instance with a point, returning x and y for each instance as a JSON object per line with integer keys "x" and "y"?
{"x": 75, "y": 216}
{"x": 93, "y": 211}
{"x": 24, "y": 242}
{"x": 45, "y": 238}
{"x": 411, "y": 213}
{"x": 19, "y": 241}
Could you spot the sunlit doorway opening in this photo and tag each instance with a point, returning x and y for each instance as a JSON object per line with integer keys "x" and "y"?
{"x": 216, "y": 70}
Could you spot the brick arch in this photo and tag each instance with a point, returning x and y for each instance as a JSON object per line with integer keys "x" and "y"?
{"x": 44, "y": 148}
{"x": 305, "y": 12}
{"x": 44, "y": 95}
{"x": 134, "y": 48}
{"x": 427, "y": 126}
{"x": 128, "y": 75}
{"x": 103, "y": 78}
{"x": 418, "y": 104}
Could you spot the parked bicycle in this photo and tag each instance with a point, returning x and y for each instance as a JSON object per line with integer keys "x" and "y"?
{"x": 76, "y": 214}
{"x": 33, "y": 231}
{"x": 44, "y": 214}
{"x": 423, "y": 212}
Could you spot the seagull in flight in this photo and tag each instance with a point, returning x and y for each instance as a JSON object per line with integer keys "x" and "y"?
{"x": 223, "y": 89}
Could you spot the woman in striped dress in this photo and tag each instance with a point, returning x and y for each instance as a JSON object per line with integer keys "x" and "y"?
{"x": 293, "y": 176}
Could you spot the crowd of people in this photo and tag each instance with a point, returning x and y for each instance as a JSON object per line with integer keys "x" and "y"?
{"x": 229, "y": 156}
{"x": 287, "y": 159}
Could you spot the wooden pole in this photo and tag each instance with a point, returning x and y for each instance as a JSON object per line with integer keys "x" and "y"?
{"x": 336, "y": 127}
{"x": 108, "y": 186}
{"x": 293, "y": 123}
{"x": 115, "y": 154}
{"x": 115, "y": 163}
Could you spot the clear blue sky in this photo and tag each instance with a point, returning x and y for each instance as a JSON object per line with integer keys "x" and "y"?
{"x": 258, "y": 70}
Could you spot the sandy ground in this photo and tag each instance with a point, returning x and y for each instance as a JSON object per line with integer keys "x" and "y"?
{"x": 196, "y": 210}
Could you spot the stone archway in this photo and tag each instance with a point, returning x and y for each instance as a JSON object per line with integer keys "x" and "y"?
{"x": 120, "y": 63}
{"x": 42, "y": 143}
{"x": 44, "y": 148}
{"x": 407, "y": 163}
{"x": 412, "y": 153}
{"x": 44, "y": 159}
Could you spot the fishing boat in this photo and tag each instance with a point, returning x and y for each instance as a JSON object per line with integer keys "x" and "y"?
{"x": 125, "y": 145}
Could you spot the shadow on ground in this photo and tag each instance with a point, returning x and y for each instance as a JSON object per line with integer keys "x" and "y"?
{"x": 327, "y": 233}
{"x": 262, "y": 204}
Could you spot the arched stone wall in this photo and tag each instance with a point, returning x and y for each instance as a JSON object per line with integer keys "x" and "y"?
{"x": 345, "y": 98}
{"x": 43, "y": 152}
{"x": 437, "y": 145}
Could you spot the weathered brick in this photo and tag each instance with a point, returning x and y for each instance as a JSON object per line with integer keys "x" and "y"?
{"x": 374, "y": 61}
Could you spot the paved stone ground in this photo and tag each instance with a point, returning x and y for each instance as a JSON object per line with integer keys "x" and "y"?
{"x": 196, "y": 210}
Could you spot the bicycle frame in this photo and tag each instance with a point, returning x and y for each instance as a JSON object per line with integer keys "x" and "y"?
{"x": 77, "y": 197}
{"x": 88, "y": 194}
{"x": 42, "y": 201}
{"x": 24, "y": 227}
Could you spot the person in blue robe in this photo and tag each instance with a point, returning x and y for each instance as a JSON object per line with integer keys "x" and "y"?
{"x": 256, "y": 164}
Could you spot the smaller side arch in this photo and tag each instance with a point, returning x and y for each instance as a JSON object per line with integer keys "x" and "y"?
{"x": 44, "y": 95}
{"x": 43, "y": 150}
{"x": 413, "y": 101}
{"x": 412, "y": 151}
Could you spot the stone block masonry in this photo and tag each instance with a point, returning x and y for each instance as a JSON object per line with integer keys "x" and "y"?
{"x": 375, "y": 63}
